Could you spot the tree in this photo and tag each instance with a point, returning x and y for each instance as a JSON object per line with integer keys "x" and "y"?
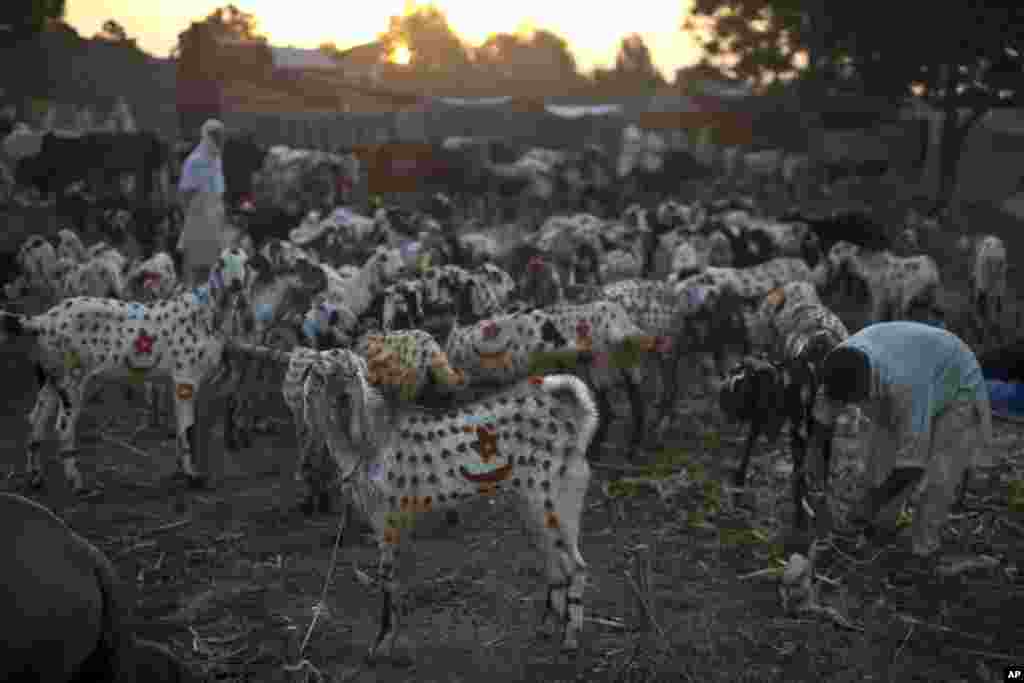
{"x": 634, "y": 71}
{"x": 224, "y": 45}
{"x": 432, "y": 42}
{"x": 540, "y": 57}
{"x": 230, "y": 21}
{"x": 112, "y": 32}
{"x": 21, "y": 19}
{"x": 966, "y": 58}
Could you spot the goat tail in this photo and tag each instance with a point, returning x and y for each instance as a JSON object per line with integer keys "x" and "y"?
{"x": 584, "y": 398}
{"x": 14, "y": 325}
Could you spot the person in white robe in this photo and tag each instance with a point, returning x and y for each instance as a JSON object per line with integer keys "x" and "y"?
{"x": 201, "y": 192}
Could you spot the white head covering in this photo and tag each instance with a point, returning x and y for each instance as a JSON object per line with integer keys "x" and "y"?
{"x": 208, "y": 147}
{"x": 203, "y": 168}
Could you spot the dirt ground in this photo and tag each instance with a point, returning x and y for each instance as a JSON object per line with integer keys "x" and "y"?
{"x": 233, "y": 585}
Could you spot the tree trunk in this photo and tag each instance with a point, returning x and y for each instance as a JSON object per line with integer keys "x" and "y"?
{"x": 951, "y": 146}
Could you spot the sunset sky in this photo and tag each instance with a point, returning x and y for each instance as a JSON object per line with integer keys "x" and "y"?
{"x": 592, "y": 30}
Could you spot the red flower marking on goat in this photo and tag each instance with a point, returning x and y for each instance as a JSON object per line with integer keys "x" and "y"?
{"x": 490, "y": 329}
{"x": 536, "y": 264}
{"x": 583, "y": 328}
{"x": 144, "y": 343}
{"x": 150, "y": 280}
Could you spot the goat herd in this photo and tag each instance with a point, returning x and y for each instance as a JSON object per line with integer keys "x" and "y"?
{"x": 426, "y": 363}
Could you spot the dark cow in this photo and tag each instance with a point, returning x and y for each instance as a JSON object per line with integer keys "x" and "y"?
{"x": 856, "y": 226}
{"x": 243, "y": 157}
{"x": 65, "y": 618}
{"x": 678, "y": 167}
{"x": 461, "y": 168}
{"x": 96, "y": 159}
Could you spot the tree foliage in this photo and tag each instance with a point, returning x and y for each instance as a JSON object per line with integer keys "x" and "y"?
{"x": 113, "y": 32}
{"x": 634, "y": 70}
{"x": 957, "y": 55}
{"x": 225, "y": 45}
{"x": 540, "y": 57}
{"x": 432, "y": 42}
{"x": 23, "y": 19}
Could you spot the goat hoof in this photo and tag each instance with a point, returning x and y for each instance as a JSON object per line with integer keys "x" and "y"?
{"x": 196, "y": 481}
{"x": 246, "y": 440}
{"x": 323, "y": 503}
{"x": 307, "y": 506}
{"x": 34, "y": 484}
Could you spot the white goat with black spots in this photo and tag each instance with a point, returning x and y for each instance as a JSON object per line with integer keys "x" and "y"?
{"x": 408, "y": 365}
{"x": 601, "y": 334}
{"x": 446, "y": 292}
{"x": 895, "y": 285}
{"x": 70, "y": 247}
{"x": 152, "y": 280}
{"x": 398, "y": 459}
{"x": 85, "y": 338}
{"x": 988, "y": 285}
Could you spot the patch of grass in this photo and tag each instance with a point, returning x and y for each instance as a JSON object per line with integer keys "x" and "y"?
{"x": 1015, "y": 496}
{"x": 667, "y": 462}
{"x": 623, "y": 489}
{"x": 712, "y": 441}
{"x": 748, "y": 536}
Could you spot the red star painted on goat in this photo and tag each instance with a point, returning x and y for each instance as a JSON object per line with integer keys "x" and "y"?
{"x": 150, "y": 280}
{"x": 144, "y": 343}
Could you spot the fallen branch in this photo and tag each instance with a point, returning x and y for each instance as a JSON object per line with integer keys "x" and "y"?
{"x": 957, "y": 568}
{"x": 625, "y": 469}
{"x": 907, "y": 619}
{"x": 604, "y": 622}
{"x": 125, "y": 445}
{"x": 648, "y": 612}
{"x": 833, "y": 614}
{"x": 144, "y": 545}
{"x": 990, "y": 655}
{"x": 774, "y": 572}
{"x": 168, "y": 527}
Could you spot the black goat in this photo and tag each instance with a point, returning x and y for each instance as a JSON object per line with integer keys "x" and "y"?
{"x": 769, "y": 393}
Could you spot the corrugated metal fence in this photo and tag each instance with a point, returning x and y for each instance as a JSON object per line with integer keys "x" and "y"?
{"x": 333, "y": 131}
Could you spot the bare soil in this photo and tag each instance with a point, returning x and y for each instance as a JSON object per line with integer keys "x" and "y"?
{"x": 232, "y": 585}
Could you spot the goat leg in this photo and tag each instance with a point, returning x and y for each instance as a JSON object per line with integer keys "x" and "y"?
{"x": 637, "y": 408}
{"x": 670, "y": 378}
{"x": 389, "y": 617}
{"x": 230, "y": 422}
{"x": 741, "y": 474}
{"x": 799, "y": 483}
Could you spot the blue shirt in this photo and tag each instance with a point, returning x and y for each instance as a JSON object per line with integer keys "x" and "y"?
{"x": 919, "y": 371}
{"x": 202, "y": 173}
